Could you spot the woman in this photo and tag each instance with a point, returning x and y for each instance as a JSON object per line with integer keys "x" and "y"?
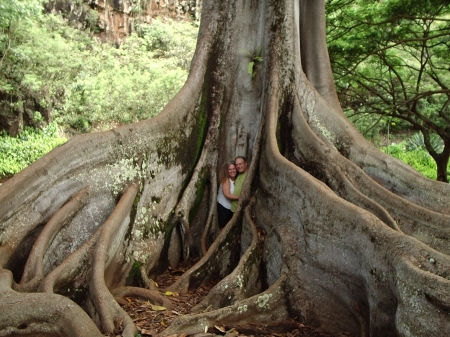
{"x": 227, "y": 176}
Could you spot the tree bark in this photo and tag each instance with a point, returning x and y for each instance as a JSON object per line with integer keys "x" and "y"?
{"x": 356, "y": 242}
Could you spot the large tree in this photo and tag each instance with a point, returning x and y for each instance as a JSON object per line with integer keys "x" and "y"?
{"x": 355, "y": 241}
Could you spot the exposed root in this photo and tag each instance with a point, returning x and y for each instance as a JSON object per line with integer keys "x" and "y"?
{"x": 154, "y": 296}
{"x": 148, "y": 283}
{"x": 350, "y": 246}
{"x": 222, "y": 253}
{"x": 193, "y": 195}
{"x": 41, "y": 314}
{"x": 182, "y": 212}
{"x": 110, "y": 313}
{"x": 243, "y": 282}
{"x": 92, "y": 258}
{"x": 422, "y": 287}
{"x": 354, "y": 185}
{"x": 5, "y": 252}
{"x": 336, "y": 174}
{"x": 215, "y": 262}
{"x": 334, "y": 256}
{"x": 33, "y": 272}
{"x": 267, "y": 307}
{"x": 75, "y": 268}
{"x": 390, "y": 173}
{"x": 209, "y": 227}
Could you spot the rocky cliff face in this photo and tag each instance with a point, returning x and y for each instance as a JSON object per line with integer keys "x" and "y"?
{"x": 113, "y": 20}
{"x": 17, "y": 112}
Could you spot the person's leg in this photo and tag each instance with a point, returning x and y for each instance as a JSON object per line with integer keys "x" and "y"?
{"x": 228, "y": 215}
{"x": 222, "y": 215}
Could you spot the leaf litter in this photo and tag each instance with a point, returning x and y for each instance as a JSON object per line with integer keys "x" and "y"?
{"x": 151, "y": 319}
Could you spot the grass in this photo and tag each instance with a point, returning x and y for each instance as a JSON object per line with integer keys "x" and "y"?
{"x": 418, "y": 158}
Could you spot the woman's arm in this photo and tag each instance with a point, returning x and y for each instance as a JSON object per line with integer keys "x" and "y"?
{"x": 226, "y": 190}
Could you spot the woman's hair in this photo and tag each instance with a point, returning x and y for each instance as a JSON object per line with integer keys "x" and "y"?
{"x": 223, "y": 172}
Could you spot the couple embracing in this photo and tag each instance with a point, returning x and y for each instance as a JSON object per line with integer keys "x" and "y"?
{"x": 231, "y": 178}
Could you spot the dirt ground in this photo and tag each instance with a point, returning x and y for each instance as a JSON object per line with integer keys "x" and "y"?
{"x": 151, "y": 319}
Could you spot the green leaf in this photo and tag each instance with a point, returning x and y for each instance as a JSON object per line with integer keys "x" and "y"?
{"x": 250, "y": 68}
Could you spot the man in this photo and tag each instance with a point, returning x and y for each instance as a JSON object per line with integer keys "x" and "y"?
{"x": 241, "y": 166}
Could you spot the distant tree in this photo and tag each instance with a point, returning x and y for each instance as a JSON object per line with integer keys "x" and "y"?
{"x": 390, "y": 58}
{"x": 14, "y": 15}
{"x": 11, "y": 13}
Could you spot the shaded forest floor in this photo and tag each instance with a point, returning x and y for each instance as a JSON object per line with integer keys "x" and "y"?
{"x": 151, "y": 319}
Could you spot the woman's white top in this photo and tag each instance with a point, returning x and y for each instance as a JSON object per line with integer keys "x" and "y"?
{"x": 221, "y": 199}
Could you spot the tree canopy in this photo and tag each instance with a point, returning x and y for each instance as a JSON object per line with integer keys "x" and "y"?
{"x": 389, "y": 59}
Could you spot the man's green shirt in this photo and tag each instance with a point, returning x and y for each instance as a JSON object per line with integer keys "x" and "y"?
{"x": 237, "y": 190}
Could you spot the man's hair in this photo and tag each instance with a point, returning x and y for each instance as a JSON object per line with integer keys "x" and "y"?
{"x": 242, "y": 157}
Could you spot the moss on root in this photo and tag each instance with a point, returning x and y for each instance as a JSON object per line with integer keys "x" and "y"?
{"x": 200, "y": 190}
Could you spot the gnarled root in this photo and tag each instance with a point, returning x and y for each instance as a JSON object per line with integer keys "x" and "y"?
{"x": 41, "y": 314}
{"x": 148, "y": 282}
{"x": 244, "y": 281}
{"x": 92, "y": 261}
{"x": 154, "y": 296}
{"x": 267, "y": 307}
{"x": 216, "y": 261}
{"x": 110, "y": 313}
{"x": 422, "y": 289}
{"x": 33, "y": 272}
{"x": 353, "y": 184}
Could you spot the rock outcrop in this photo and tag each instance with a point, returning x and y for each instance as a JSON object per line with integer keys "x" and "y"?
{"x": 113, "y": 20}
{"x": 17, "y": 112}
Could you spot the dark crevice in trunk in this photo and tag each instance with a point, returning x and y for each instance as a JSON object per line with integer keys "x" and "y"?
{"x": 284, "y": 129}
{"x": 18, "y": 259}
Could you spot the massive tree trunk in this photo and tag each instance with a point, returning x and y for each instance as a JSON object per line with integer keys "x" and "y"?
{"x": 355, "y": 241}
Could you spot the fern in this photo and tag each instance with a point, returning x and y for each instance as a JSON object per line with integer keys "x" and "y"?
{"x": 417, "y": 142}
{"x": 255, "y": 58}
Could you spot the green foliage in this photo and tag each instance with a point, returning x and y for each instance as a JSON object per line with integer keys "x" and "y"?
{"x": 14, "y": 15}
{"x": 12, "y": 11}
{"x": 94, "y": 86}
{"x": 135, "y": 270}
{"x": 417, "y": 142}
{"x": 255, "y": 58}
{"x": 373, "y": 126}
{"x": 169, "y": 40}
{"x": 389, "y": 58}
{"x": 418, "y": 158}
{"x": 92, "y": 19}
{"x": 413, "y": 7}
{"x": 390, "y": 65}
{"x": 139, "y": 6}
{"x": 18, "y": 152}
{"x": 89, "y": 85}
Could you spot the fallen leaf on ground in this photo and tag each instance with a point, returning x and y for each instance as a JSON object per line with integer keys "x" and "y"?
{"x": 157, "y": 307}
{"x": 147, "y": 332}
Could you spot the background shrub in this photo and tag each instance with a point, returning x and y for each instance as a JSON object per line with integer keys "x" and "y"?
{"x": 16, "y": 153}
{"x": 416, "y": 157}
